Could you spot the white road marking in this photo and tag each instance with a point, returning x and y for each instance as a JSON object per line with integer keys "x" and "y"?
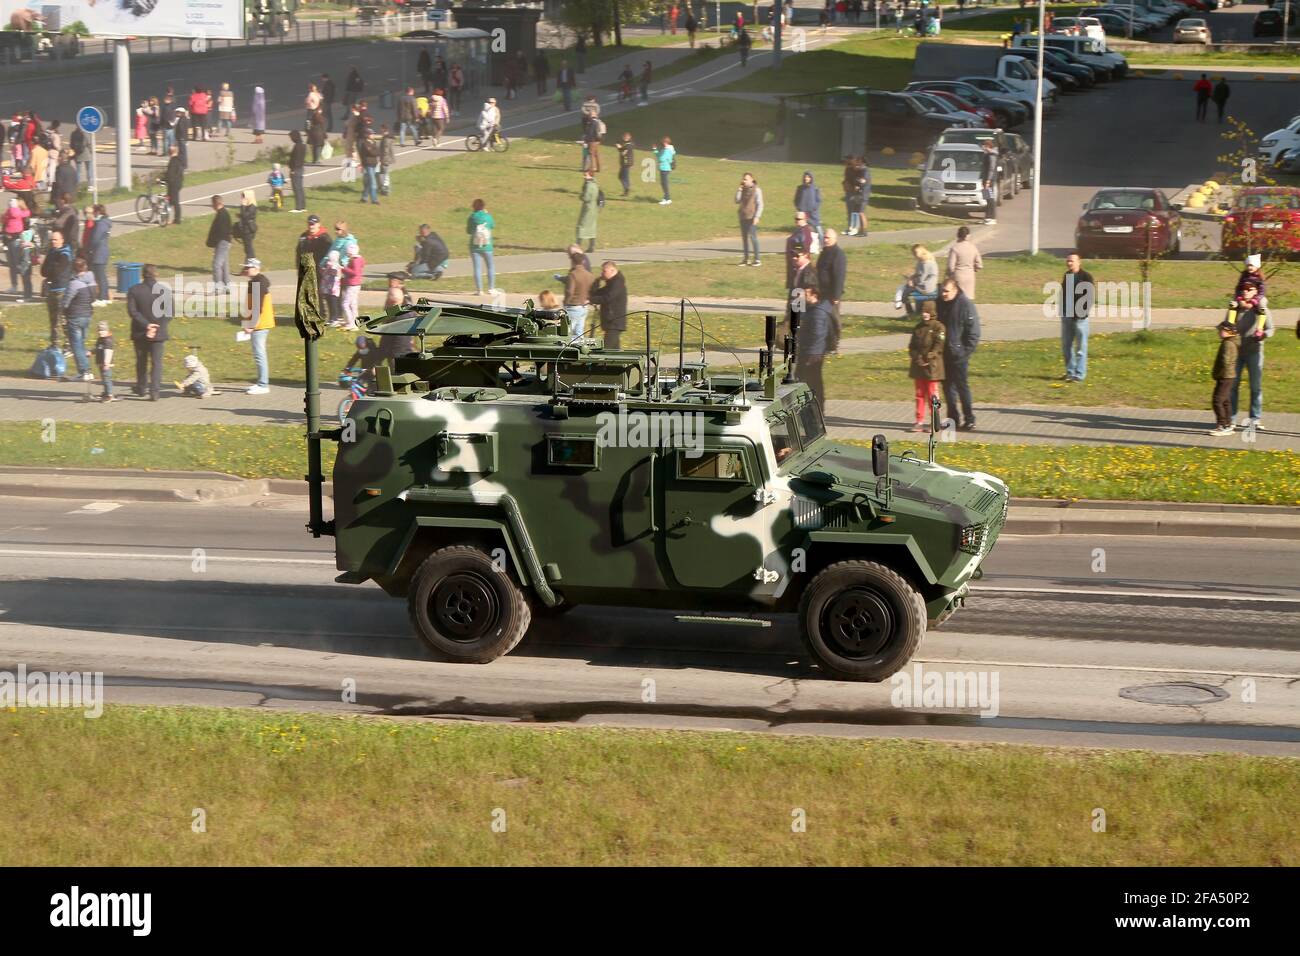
{"x": 96, "y": 508}
{"x": 125, "y": 555}
{"x": 1213, "y": 596}
{"x": 1102, "y": 667}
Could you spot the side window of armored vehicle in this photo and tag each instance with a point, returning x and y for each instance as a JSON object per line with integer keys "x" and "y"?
{"x": 811, "y": 426}
{"x": 711, "y": 466}
{"x": 571, "y": 452}
{"x": 784, "y": 441}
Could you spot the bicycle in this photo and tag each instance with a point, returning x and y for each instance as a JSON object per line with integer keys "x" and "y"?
{"x": 498, "y": 142}
{"x": 153, "y": 207}
{"x": 356, "y": 381}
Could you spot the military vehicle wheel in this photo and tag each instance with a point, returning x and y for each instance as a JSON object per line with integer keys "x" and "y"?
{"x": 861, "y": 620}
{"x": 464, "y": 609}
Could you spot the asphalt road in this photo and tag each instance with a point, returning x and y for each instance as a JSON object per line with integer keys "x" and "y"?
{"x": 91, "y": 586}
{"x": 1230, "y": 25}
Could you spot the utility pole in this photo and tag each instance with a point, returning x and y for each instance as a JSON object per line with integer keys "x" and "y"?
{"x": 1035, "y": 196}
{"x": 778, "y": 7}
{"x": 122, "y": 109}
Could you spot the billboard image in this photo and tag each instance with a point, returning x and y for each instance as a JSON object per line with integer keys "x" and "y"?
{"x": 132, "y": 18}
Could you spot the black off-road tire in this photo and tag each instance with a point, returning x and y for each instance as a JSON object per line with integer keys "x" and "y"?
{"x": 465, "y": 610}
{"x": 888, "y": 611}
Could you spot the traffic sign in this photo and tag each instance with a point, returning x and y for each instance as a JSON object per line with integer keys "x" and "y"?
{"x": 90, "y": 119}
{"x": 436, "y": 15}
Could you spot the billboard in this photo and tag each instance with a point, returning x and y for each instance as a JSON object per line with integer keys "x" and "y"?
{"x": 132, "y": 18}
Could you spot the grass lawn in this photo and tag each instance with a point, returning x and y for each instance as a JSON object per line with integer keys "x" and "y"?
{"x": 1163, "y": 369}
{"x": 875, "y": 272}
{"x": 882, "y": 61}
{"x": 417, "y": 793}
{"x": 1032, "y": 471}
{"x": 532, "y": 192}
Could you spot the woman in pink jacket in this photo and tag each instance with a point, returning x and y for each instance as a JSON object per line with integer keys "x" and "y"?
{"x": 353, "y": 273}
{"x": 15, "y": 221}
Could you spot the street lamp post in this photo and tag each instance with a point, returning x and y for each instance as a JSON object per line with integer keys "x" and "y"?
{"x": 1035, "y": 197}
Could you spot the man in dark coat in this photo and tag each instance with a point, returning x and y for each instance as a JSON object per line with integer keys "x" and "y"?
{"x": 815, "y": 341}
{"x": 65, "y": 176}
{"x": 220, "y": 233}
{"x": 431, "y": 254}
{"x": 174, "y": 177}
{"x": 149, "y": 304}
{"x": 328, "y": 93}
{"x": 56, "y": 270}
{"x": 832, "y": 269}
{"x": 610, "y": 293}
{"x": 315, "y": 240}
{"x": 962, "y": 330}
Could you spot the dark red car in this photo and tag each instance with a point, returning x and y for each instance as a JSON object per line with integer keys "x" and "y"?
{"x": 1263, "y": 219}
{"x": 1130, "y": 222}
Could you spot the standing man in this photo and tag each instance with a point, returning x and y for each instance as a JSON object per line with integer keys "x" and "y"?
{"x": 80, "y": 155}
{"x": 297, "y": 164}
{"x": 149, "y": 304}
{"x": 328, "y": 94}
{"x": 368, "y": 155}
{"x": 610, "y": 293}
{"x": 816, "y": 339}
{"x": 1220, "y": 96}
{"x": 626, "y": 158}
{"x": 1078, "y": 291}
{"x": 962, "y": 330}
{"x": 1254, "y": 325}
{"x": 315, "y": 239}
{"x": 407, "y": 117}
{"x": 743, "y": 43}
{"x": 219, "y": 236}
{"x": 589, "y": 197}
{"x": 565, "y": 80}
{"x": 541, "y": 70}
{"x": 1202, "y": 88}
{"x": 802, "y": 238}
{"x": 802, "y": 277}
{"x": 577, "y": 294}
{"x": 174, "y": 178}
{"x": 808, "y": 200}
{"x": 749, "y": 202}
{"x": 832, "y": 270}
{"x": 353, "y": 87}
{"x": 56, "y": 270}
{"x": 991, "y": 185}
{"x": 77, "y": 304}
{"x": 260, "y": 322}
{"x": 65, "y": 176}
{"x": 691, "y": 26}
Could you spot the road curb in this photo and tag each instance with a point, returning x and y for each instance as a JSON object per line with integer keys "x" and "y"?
{"x": 1027, "y": 516}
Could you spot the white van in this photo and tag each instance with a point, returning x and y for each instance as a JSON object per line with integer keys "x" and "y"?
{"x": 1085, "y": 48}
{"x": 1272, "y": 146}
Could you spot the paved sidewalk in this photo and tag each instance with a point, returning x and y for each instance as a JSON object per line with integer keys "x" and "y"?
{"x": 33, "y": 400}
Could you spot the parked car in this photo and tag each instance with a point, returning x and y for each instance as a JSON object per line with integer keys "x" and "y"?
{"x": 895, "y": 119}
{"x": 1079, "y": 26}
{"x": 986, "y": 115}
{"x": 1017, "y": 159}
{"x": 1116, "y": 23}
{"x": 1289, "y": 161}
{"x": 1085, "y": 49}
{"x": 1008, "y": 112}
{"x": 1263, "y": 219}
{"x": 996, "y": 87}
{"x": 936, "y": 105}
{"x": 1268, "y": 23}
{"x": 1274, "y": 144}
{"x": 1192, "y": 30}
{"x": 953, "y": 178}
{"x": 1068, "y": 77}
{"x": 1132, "y": 222}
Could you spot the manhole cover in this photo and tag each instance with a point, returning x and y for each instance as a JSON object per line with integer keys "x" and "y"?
{"x": 1178, "y": 693}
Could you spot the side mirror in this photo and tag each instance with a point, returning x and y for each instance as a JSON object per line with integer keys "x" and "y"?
{"x": 880, "y": 456}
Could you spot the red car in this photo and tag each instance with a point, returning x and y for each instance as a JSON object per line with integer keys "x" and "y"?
{"x": 1131, "y": 221}
{"x": 1263, "y": 219}
{"x": 983, "y": 112}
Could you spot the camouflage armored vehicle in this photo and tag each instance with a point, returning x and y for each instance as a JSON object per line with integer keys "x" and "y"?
{"x": 504, "y": 470}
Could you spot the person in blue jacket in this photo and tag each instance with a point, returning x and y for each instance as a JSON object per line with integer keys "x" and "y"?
{"x": 808, "y": 199}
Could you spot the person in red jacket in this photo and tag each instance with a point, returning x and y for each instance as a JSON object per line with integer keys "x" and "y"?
{"x": 1202, "y": 88}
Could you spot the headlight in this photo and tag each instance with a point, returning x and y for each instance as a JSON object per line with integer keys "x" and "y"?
{"x": 1268, "y": 142}
{"x": 972, "y": 538}
{"x": 931, "y": 183}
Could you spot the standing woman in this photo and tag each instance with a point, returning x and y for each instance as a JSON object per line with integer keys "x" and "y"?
{"x": 331, "y": 282}
{"x": 226, "y": 110}
{"x": 667, "y": 156}
{"x": 97, "y": 251}
{"x": 354, "y": 274}
{"x": 259, "y": 114}
{"x": 316, "y": 135}
{"x": 142, "y": 123}
{"x": 248, "y": 222}
{"x": 963, "y": 262}
{"x": 480, "y": 227}
{"x": 155, "y": 126}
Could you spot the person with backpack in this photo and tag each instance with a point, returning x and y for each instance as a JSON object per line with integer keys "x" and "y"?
{"x": 56, "y": 270}
{"x": 666, "y": 155}
{"x": 480, "y": 227}
{"x": 77, "y": 303}
{"x": 149, "y": 304}
{"x": 591, "y": 199}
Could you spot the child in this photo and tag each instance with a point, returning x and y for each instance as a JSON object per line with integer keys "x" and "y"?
{"x": 276, "y": 182}
{"x": 926, "y": 351}
{"x": 197, "y": 383}
{"x": 1225, "y": 376}
{"x": 104, "y": 359}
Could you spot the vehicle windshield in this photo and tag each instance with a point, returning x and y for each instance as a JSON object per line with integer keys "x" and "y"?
{"x": 811, "y": 426}
{"x": 785, "y": 442}
{"x": 957, "y": 161}
{"x": 1269, "y": 201}
{"x": 1123, "y": 200}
